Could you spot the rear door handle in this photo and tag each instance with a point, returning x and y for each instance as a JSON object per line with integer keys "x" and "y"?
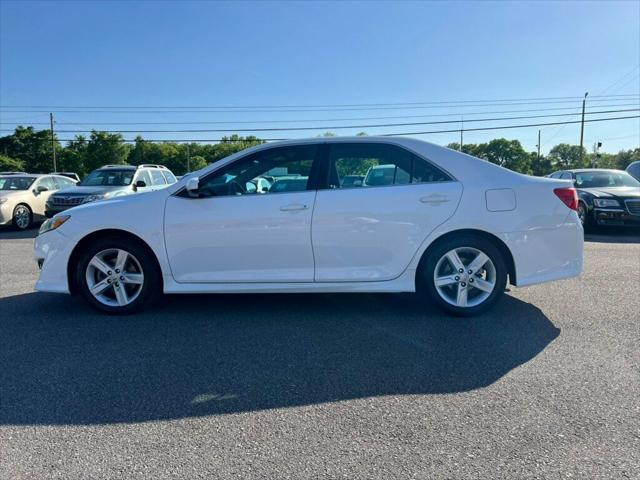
{"x": 293, "y": 207}
{"x": 434, "y": 199}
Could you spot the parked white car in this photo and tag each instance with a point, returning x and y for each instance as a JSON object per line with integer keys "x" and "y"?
{"x": 23, "y": 197}
{"x": 451, "y": 226}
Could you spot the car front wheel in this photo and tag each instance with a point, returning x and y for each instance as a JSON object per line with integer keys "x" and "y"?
{"x": 118, "y": 276}
{"x": 583, "y": 215}
{"x": 22, "y": 217}
{"x": 464, "y": 275}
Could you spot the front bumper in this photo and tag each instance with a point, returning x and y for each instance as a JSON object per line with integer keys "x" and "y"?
{"x": 51, "y": 252}
{"x": 615, "y": 217}
{"x": 6, "y": 215}
{"x": 50, "y": 210}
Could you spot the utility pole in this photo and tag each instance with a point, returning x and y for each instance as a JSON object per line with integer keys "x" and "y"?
{"x": 584, "y": 101}
{"x": 53, "y": 144}
{"x": 461, "y": 131}
{"x": 538, "y": 146}
{"x": 188, "y": 160}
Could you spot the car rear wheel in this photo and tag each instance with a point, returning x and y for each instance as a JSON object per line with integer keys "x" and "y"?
{"x": 464, "y": 275}
{"x": 22, "y": 217}
{"x": 118, "y": 276}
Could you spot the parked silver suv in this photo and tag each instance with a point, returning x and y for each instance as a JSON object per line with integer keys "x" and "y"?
{"x": 108, "y": 182}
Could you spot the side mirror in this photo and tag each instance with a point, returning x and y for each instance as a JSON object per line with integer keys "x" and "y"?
{"x": 141, "y": 184}
{"x": 40, "y": 189}
{"x": 192, "y": 187}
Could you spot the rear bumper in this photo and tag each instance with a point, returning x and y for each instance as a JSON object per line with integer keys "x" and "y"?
{"x": 615, "y": 217}
{"x": 547, "y": 254}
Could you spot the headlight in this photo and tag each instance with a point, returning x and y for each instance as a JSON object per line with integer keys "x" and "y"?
{"x": 93, "y": 198}
{"x": 53, "y": 223}
{"x": 606, "y": 202}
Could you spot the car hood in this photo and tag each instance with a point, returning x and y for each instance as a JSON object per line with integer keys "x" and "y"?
{"x": 82, "y": 190}
{"x": 604, "y": 192}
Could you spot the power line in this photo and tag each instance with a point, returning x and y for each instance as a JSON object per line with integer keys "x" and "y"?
{"x": 342, "y": 127}
{"x": 513, "y": 126}
{"x": 240, "y": 122}
{"x": 319, "y": 105}
{"x": 503, "y": 127}
{"x": 192, "y": 110}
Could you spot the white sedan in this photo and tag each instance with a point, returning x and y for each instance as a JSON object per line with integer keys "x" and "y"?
{"x": 452, "y": 227}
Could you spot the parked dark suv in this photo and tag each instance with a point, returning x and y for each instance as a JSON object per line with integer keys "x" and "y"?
{"x": 108, "y": 182}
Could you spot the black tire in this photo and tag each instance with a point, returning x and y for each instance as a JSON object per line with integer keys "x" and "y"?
{"x": 151, "y": 290}
{"x": 18, "y": 210}
{"x": 585, "y": 217}
{"x": 426, "y": 285}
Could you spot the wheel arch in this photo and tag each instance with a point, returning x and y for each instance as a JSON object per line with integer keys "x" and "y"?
{"x": 87, "y": 239}
{"x": 502, "y": 247}
{"x": 24, "y": 204}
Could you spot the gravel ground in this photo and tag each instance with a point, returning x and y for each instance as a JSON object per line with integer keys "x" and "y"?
{"x": 299, "y": 386}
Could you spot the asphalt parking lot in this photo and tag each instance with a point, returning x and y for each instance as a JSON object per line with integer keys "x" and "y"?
{"x": 299, "y": 386}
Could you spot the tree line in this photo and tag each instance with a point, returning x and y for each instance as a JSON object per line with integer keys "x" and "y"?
{"x": 29, "y": 150}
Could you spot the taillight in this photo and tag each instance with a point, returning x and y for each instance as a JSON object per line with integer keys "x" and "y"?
{"x": 569, "y": 196}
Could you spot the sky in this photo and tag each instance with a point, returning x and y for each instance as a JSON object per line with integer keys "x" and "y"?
{"x": 305, "y": 56}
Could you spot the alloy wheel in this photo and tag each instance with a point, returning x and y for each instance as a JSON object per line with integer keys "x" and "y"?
{"x": 22, "y": 217}
{"x": 114, "y": 277}
{"x": 465, "y": 277}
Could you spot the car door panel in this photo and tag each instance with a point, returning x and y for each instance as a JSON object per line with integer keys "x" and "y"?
{"x": 252, "y": 238}
{"x": 371, "y": 234}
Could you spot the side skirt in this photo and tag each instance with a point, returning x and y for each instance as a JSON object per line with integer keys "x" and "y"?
{"x": 404, "y": 283}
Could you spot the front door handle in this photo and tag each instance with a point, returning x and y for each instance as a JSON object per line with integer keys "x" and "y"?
{"x": 434, "y": 199}
{"x": 293, "y": 207}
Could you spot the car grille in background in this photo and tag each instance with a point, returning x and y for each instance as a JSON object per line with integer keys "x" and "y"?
{"x": 67, "y": 200}
{"x": 633, "y": 206}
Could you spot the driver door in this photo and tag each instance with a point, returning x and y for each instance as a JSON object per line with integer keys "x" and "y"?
{"x": 234, "y": 233}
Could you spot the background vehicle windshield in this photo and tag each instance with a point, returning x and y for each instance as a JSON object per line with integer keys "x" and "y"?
{"x": 605, "y": 179}
{"x": 16, "y": 183}
{"x": 116, "y": 178}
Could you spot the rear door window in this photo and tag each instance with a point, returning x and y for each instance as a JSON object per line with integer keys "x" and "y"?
{"x": 357, "y": 165}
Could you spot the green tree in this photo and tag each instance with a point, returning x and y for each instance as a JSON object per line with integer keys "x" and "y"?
{"x": 197, "y": 162}
{"x": 507, "y": 153}
{"x": 8, "y": 164}
{"x": 567, "y": 156}
{"x": 228, "y": 146}
{"x": 105, "y": 149}
{"x": 30, "y": 146}
{"x": 540, "y": 166}
{"x": 73, "y": 157}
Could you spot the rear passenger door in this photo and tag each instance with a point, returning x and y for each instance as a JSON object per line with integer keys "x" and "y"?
{"x": 370, "y": 230}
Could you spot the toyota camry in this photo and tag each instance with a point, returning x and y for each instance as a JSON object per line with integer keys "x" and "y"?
{"x": 424, "y": 219}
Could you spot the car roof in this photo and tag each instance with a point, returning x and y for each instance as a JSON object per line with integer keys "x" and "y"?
{"x": 29, "y": 175}
{"x": 586, "y": 170}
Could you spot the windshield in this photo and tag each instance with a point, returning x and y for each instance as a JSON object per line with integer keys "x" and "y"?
{"x": 605, "y": 179}
{"x": 16, "y": 183}
{"x": 111, "y": 177}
